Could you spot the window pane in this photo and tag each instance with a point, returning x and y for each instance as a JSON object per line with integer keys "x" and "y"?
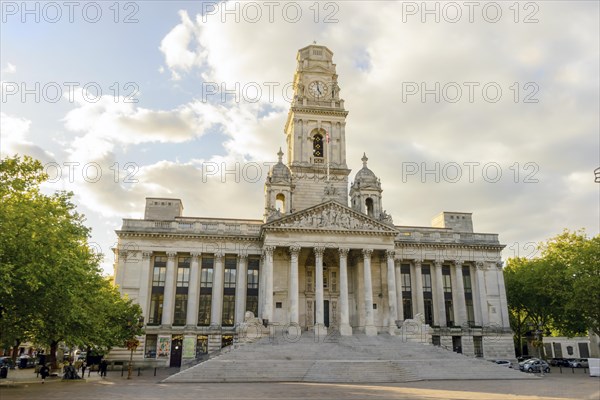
{"x": 156, "y": 308}
{"x": 204, "y": 309}
{"x": 150, "y": 346}
{"x": 180, "y": 309}
{"x": 228, "y": 310}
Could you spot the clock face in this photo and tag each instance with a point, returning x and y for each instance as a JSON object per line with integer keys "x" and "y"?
{"x": 317, "y": 89}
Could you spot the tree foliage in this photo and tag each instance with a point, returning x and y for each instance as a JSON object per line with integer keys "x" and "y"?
{"x": 560, "y": 289}
{"x": 51, "y": 286}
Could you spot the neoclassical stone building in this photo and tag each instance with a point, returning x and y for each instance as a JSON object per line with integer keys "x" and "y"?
{"x": 325, "y": 256}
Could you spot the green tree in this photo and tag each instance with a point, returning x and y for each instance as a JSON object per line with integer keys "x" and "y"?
{"x": 557, "y": 290}
{"x": 51, "y": 286}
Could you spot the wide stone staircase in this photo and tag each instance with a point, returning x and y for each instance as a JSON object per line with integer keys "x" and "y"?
{"x": 340, "y": 359}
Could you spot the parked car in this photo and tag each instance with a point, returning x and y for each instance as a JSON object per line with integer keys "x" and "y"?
{"x": 520, "y": 359}
{"x": 26, "y": 361}
{"x": 521, "y": 363}
{"x": 535, "y": 366}
{"x": 579, "y": 363}
{"x": 503, "y": 363}
{"x": 7, "y": 362}
{"x": 559, "y": 362}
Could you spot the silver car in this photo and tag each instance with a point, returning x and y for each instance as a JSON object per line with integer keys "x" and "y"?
{"x": 536, "y": 366}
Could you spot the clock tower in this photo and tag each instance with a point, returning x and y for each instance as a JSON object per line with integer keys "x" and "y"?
{"x": 315, "y": 132}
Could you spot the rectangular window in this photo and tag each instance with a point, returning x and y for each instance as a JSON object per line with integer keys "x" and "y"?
{"x": 206, "y": 272}
{"x": 325, "y": 278}
{"x": 252, "y": 304}
{"x": 181, "y": 300}
{"x": 160, "y": 271}
{"x": 470, "y": 312}
{"x": 478, "y": 346}
{"x": 333, "y": 281}
{"x": 230, "y": 273}
{"x": 252, "y": 279}
{"x": 449, "y": 313}
{"x": 428, "y": 306}
{"x": 436, "y": 340}
{"x": 228, "y": 310}
{"x": 204, "y": 309}
{"x": 446, "y": 279}
{"x": 201, "y": 345}
{"x": 405, "y": 274}
{"x": 183, "y": 272}
{"x": 426, "y": 274}
{"x": 467, "y": 280}
{"x": 407, "y": 308}
{"x": 156, "y": 309}
{"x": 150, "y": 346}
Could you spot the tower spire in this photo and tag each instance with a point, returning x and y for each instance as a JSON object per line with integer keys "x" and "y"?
{"x": 280, "y": 154}
{"x": 364, "y": 160}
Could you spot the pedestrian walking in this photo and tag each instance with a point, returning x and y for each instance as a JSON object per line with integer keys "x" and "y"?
{"x": 103, "y": 368}
{"x": 83, "y": 367}
{"x": 44, "y": 372}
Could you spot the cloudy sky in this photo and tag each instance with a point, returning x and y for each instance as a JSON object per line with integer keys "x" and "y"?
{"x": 482, "y": 107}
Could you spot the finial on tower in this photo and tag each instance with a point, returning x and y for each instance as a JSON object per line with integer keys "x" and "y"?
{"x": 364, "y": 160}
{"x": 280, "y": 154}
{"x": 314, "y": 42}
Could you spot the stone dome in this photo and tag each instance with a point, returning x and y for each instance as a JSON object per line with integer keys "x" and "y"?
{"x": 280, "y": 172}
{"x": 365, "y": 177}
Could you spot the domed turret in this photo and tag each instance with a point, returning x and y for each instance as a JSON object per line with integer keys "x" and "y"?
{"x": 280, "y": 173}
{"x": 365, "y": 192}
{"x": 278, "y": 190}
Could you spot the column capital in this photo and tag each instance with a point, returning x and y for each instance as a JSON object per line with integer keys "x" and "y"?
{"x": 319, "y": 251}
{"x": 438, "y": 263}
{"x": 268, "y": 250}
{"x": 343, "y": 251}
{"x": 458, "y": 263}
{"x": 295, "y": 250}
{"x": 195, "y": 254}
{"x": 499, "y": 264}
{"x": 219, "y": 254}
{"x": 367, "y": 252}
{"x": 146, "y": 255}
{"x": 390, "y": 253}
{"x": 242, "y": 256}
{"x": 123, "y": 254}
{"x": 171, "y": 255}
{"x": 480, "y": 265}
{"x": 418, "y": 262}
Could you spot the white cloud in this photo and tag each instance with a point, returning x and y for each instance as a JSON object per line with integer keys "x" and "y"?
{"x": 9, "y": 69}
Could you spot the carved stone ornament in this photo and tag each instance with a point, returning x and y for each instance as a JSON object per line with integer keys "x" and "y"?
{"x": 331, "y": 216}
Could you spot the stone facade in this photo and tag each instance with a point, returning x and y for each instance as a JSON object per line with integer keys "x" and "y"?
{"x": 322, "y": 258}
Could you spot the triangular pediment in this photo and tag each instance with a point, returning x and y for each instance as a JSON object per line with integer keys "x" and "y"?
{"x": 331, "y": 216}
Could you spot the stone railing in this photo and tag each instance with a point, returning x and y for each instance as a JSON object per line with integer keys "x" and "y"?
{"x": 194, "y": 225}
{"x": 433, "y": 235}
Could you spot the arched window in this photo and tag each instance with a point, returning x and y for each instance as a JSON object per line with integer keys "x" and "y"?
{"x": 280, "y": 202}
{"x": 318, "y": 145}
{"x": 369, "y": 204}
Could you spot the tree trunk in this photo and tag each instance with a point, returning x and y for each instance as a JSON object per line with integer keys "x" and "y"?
{"x": 15, "y": 351}
{"x": 53, "y": 349}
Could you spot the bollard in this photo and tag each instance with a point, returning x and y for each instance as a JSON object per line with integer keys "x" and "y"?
{"x": 572, "y": 370}
{"x": 154, "y": 371}
{"x": 122, "y": 370}
{"x": 139, "y": 372}
{"x": 560, "y": 368}
{"x": 89, "y": 372}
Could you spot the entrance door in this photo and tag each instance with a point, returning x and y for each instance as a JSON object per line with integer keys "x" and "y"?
{"x": 176, "y": 350}
{"x": 456, "y": 344}
{"x": 325, "y": 312}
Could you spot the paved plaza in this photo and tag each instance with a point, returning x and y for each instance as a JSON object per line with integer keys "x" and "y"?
{"x": 552, "y": 386}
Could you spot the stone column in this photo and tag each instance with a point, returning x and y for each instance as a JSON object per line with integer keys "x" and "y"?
{"x": 240, "y": 288}
{"x": 145, "y": 278}
{"x": 458, "y": 294}
{"x": 319, "y": 311}
{"x": 391, "y": 283}
{"x": 216, "y": 310}
{"x": 475, "y": 295}
{"x": 502, "y": 292}
{"x": 370, "y": 329}
{"x": 191, "y": 318}
{"x": 399, "y": 302}
{"x": 261, "y": 287}
{"x": 120, "y": 272}
{"x": 419, "y": 288}
{"x": 345, "y": 328}
{"x": 485, "y": 319}
{"x": 268, "y": 304}
{"x": 167, "y": 317}
{"x": 439, "y": 295}
{"x": 293, "y": 289}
